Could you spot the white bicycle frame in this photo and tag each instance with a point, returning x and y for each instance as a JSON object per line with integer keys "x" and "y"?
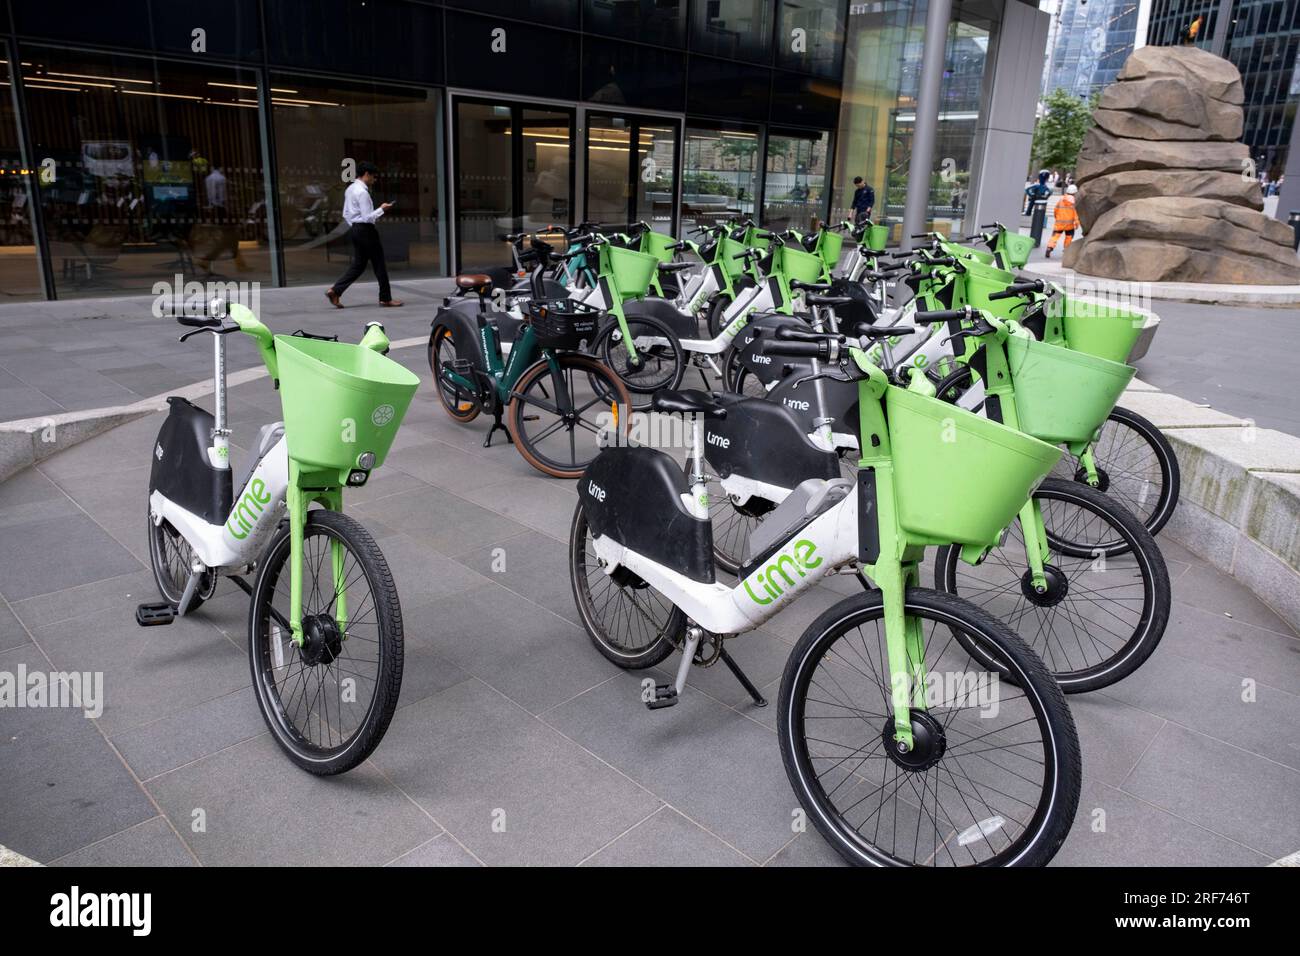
{"x": 256, "y": 508}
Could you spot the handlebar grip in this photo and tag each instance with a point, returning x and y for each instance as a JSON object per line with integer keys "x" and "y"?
{"x": 1016, "y": 289}
{"x": 819, "y": 350}
{"x": 787, "y": 334}
{"x": 199, "y": 322}
{"x": 943, "y": 315}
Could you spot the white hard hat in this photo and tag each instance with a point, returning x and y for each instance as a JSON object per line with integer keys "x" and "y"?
{"x": 1071, "y": 189}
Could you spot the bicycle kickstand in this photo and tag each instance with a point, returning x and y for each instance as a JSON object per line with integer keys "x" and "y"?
{"x": 745, "y": 682}
{"x": 497, "y": 424}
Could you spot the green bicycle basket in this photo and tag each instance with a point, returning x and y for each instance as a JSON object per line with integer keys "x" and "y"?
{"x": 973, "y": 255}
{"x": 339, "y": 401}
{"x": 979, "y": 281}
{"x": 1098, "y": 328}
{"x": 1063, "y": 395}
{"x": 876, "y": 238}
{"x": 630, "y": 271}
{"x": 659, "y": 245}
{"x": 829, "y": 244}
{"x": 796, "y": 264}
{"x": 934, "y": 444}
{"x": 1015, "y": 249}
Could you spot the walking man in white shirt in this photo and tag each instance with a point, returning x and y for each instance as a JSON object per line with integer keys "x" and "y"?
{"x": 361, "y": 215}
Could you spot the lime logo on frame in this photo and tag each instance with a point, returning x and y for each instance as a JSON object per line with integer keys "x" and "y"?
{"x": 785, "y": 567}
{"x": 244, "y": 516}
{"x": 382, "y": 415}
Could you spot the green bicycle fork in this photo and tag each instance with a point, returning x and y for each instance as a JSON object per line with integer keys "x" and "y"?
{"x": 299, "y": 498}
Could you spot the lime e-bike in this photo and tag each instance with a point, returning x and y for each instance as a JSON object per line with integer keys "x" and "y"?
{"x": 324, "y": 623}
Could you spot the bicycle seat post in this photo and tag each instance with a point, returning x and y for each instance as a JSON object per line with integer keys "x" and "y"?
{"x": 695, "y": 469}
{"x": 219, "y": 453}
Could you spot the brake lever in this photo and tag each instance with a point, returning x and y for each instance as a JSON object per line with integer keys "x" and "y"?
{"x": 215, "y": 330}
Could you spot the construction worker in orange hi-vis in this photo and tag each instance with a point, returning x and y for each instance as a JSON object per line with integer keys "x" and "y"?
{"x": 1065, "y": 219}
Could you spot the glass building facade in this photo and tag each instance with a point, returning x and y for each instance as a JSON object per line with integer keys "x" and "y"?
{"x": 1090, "y": 41}
{"x": 141, "y": 140}
{"x": 1262, "y": 38}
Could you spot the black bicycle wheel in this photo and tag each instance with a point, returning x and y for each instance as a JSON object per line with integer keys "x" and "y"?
{"x": 993, "y": 776}
{"x": 660, "y": 361}
{"x": 455, "y": 401}
{"x": 328, "y": 702}
{"x": 560, "y": 420}
{"x": 715, "y": 308}
{"x": 1102, "y": 615}
{"x": 1136, "y": 466}
{"x": 170, "y": 557}
{"x": 630, "y": 622}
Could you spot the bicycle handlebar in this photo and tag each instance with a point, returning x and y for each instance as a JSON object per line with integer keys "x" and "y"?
{"x": 945, "y": 315}
{"x": 1018, "y": 289}
{"x": 819, "y": 350}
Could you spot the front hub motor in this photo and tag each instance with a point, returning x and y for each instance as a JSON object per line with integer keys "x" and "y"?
{"x": 928, "y": 742}
{"x": 1058, "y": 585}
{"x": 322, "y": 640}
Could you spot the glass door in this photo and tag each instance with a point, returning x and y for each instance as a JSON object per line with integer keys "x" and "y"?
{"x": 514, "y": 171}
{"x": 631, "y": 164}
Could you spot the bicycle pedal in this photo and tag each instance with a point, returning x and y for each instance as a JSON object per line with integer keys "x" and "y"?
{"x": 532, "y": 418}
{"x": 665, "y": 696}
{"x": 460, "y": 366}
{"x": 155, "y": 615}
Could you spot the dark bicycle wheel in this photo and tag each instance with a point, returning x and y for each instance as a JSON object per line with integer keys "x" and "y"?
{"x": 170, "y": 557}
{"x": 1136, "y": 466}
{"x": 1102, "y": 614}
{"x": 454, "y": 400}
{"x": 631, "y": 623}
{"x": 329, "y": 701}
{"x": 660, "y": 360}
{"x": 560, "y": 418}
{"x": 992, "y": 778}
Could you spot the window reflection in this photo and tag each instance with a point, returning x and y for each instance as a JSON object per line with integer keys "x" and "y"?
{"x": 810, "y": 36}
{"x": 795, "y": 189}
{"x": 719, "y": 175}
{"x": 157, "y": 171}
{"x": 737, "y": 29}
{"x": 318, "y": 128}
{"x": 648, "y": 21}
{"x": 20, "y": 276}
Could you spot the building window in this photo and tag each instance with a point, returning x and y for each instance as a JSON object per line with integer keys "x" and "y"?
{"x": 736, "y": 29}
{"x": 794, "y": 189}
{"x": 810, "y": 36}
{"x": 157, "y": 171}
{"x": 321, "y": 133}
{"x": 20, "y": 276}
{"x": 719, "y": 174}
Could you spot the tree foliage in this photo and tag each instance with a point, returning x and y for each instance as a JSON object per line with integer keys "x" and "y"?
{"x": 1061, "y": 129}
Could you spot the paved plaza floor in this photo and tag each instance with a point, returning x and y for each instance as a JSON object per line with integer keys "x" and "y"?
{"x": 515, "y": 742}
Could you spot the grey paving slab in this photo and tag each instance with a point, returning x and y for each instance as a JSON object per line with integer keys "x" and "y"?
{"x": 507, "y": 786}
{"x": 149, "y": 672}
{"x": 424, "y": 575}
{"x": 1217, "y": 703}
{"x": 61, "y": 786}
{"x": 715, "y": 765}
{"x": 152, "y": 843}
{"x": 119, "y": 503}
{"x": 535, "y": 658}
{"x": 1233, "y": 645}
{"x": 530, "y": 563}
{"x": 543, "y": 506}
{"x": 110, "y": 595}
{"x": 1246, "y": 798}
{"x": 1204, "y": 587}
{"x": 184, "y": 736}
{"x": 1114, "y": 828}
{"x": 667, "y": 839}
{"x": 51, "y": 554}
{"x": 442, "y": 850}
{"x": 12, "y": 632}
{"x": 260, "y": 810}
{"x": 807, "y": 849}
{"x": 439, "y": 519}
{"x": 1112, "y": 735}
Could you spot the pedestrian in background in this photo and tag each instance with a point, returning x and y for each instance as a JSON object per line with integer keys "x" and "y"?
{"x": 864, "y": 200}
{"x": 361, "y": 215}
{"x": 1065, "y": 219}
